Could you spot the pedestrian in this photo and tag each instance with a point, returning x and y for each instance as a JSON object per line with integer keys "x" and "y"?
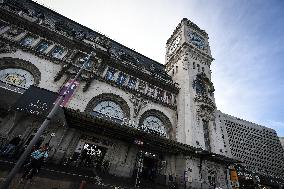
{"x": 37, "y": 159}
{"x": 84, "y": 157}
{"x": 11, "y": 145}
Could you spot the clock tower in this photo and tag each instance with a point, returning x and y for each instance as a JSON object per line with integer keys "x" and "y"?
{"x": 188, "y": 61}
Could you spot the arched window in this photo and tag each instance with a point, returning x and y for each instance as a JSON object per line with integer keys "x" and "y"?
{"x": 109, "y": 108}
{"x": 154, "y": 124}
{"x": 17, "y": 77}
{"x": 212, "y": 178}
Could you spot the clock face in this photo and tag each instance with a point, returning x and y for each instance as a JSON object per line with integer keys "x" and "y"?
{"x": 173, "y": 46}
{"x": 197, "y": 40}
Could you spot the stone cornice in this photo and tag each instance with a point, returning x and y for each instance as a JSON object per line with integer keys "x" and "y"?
{"x": 144, "y": 75}
{"x": 90, "y": 76}
{"x": 42, "y": 31}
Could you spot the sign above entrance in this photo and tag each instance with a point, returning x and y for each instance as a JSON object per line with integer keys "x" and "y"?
{"x": 36, "y": 101}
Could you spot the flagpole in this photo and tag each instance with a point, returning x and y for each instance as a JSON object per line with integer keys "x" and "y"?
{"x": 43, "y": 126}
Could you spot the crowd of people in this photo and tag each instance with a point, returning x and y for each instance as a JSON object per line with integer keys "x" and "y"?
{"x": 35, "y": 162}
{"x": 38, "y": 155}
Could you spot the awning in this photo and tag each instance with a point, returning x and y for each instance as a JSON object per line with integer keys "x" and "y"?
{"x": 115, "y": 129}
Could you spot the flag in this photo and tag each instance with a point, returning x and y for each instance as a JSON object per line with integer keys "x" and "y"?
{"x": 68, "y": 93}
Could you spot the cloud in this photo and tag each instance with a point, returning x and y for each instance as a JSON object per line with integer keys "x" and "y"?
{"x": 245, "y": 37}
{"x": 276, "y": 125}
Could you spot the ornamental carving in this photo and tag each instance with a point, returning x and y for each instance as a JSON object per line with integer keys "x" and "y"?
{"x": 138, "y": 104}
{"x": 196, "y": 55}
{"x": 103, "y": 41}
{"x": 205, "y": 112}
{"x": 116, "y": 53}
{"x": 205, "y": 107}
{"x": 203, "y": 85}
{"x": 63, "y": 28}
{"x": 75, "y": 61}
{"x": 7, "y": 48}
{"x": 7, "y": 62}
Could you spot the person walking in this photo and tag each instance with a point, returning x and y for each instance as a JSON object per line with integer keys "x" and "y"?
{"x": 37, "y": 159}
{"x": 11, "y": 145}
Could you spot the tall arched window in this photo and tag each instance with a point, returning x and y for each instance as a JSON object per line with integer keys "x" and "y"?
{"x": 17, "y": 77}
{"x": 154, "y": 124}
{"x": 109, "y": 108}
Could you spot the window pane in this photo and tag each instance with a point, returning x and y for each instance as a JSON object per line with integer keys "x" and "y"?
{"x": 57, "y": 52}
{"x": 110, "y": 109}
{"x": 121, "y": 78}
{"x": 42, "y": 46}
{"x": 27, "y": 41}
{"x": 110, "y": 74}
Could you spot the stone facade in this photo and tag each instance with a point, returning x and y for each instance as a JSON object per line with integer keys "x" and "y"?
{"x": 129, "y": 112}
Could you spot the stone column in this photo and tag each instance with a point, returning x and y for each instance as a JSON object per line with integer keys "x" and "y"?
{"x": 67, "y": 139}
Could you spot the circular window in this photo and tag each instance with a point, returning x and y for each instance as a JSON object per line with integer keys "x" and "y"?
{"x": 154, "y": 124}
{"x": 17, "y": 77}
{"x": 110, "y": 109}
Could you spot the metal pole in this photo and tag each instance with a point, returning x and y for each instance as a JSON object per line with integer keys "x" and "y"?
{"x": 140, "y": 166}
{"x": 39, "y": 132}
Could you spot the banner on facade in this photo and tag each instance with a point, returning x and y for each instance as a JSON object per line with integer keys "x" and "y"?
{"x": 36, "y": 101}
{"x": 68, "y": 93}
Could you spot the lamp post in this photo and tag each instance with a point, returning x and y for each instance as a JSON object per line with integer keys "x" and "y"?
{"x": 139, "y": 143}
{"x": 43, "y": 126}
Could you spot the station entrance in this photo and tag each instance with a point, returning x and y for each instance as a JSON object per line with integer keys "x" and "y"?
{"x": 89, "y": 154}
{"x": 148, "y": 167}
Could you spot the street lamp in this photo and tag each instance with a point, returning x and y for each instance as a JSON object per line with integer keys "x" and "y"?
{"x": 139, "y": 143}
{"x": 43, "y": 126}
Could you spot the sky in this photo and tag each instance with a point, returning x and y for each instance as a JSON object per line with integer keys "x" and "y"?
{"x": 246, "y": 40}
